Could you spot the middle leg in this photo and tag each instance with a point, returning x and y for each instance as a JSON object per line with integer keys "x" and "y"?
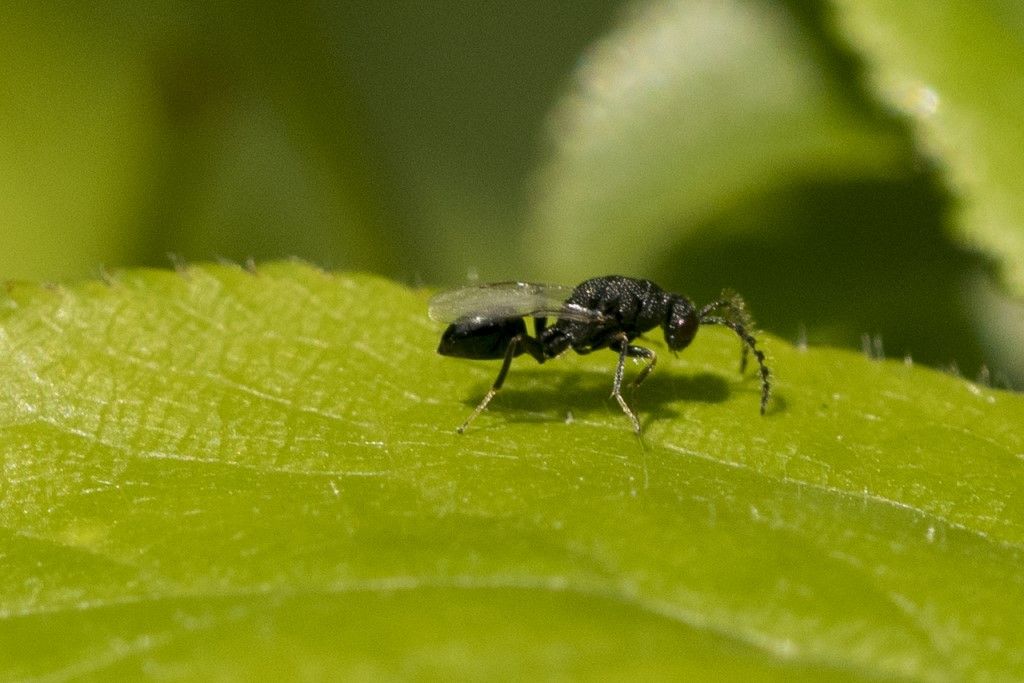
{"x": 625, "y": 349}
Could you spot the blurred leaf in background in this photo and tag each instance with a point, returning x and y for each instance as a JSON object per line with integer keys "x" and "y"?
{"x": 954, "y": 69}
{"x": 395, "y": 137}
{"x": 77, "y": 121}
{"x": 839, "y": 162}
{"x": 683, "y": 112}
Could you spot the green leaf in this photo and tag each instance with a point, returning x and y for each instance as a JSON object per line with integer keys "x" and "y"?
{"x": 78, "y": 116}
{"x": 218, "y": 473}
{"x": 954, "y": 69}
{"x": 685, "y": 111}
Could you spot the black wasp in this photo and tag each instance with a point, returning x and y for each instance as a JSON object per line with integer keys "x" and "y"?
{"x": 488, "y": 322}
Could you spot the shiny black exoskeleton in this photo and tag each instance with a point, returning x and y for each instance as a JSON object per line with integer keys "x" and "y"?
{"x": 488, "y": 322}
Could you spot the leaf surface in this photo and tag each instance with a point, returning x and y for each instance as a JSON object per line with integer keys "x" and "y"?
{"x": 218, "y": 473}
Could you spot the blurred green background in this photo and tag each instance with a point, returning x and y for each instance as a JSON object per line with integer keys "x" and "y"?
{"x": 702, "y": 144}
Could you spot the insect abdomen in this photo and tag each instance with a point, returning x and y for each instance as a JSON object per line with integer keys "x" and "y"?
{"x": 480, "y": 340}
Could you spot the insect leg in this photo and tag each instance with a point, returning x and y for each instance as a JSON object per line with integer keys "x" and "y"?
{"x": 749, "y": 341}
{"x": 735, "y": 309}
{"x": 649, "y": 356}
{"x": 622, "y": 341}
{"x": 532, "y": 346}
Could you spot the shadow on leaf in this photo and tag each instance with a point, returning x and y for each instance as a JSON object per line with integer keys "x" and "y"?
{"x": 553, "y": 395}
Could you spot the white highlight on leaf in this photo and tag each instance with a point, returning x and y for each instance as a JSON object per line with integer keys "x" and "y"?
{"x": 918, "y": 99}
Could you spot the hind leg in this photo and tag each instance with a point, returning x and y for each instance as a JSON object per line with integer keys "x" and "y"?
{"x": 528, "y": 344}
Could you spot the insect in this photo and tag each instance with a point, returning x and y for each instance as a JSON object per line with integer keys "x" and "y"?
{"x": 487, "y": 322}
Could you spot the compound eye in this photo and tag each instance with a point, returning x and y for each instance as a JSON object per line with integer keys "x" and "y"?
{"x": 680, "y": 328}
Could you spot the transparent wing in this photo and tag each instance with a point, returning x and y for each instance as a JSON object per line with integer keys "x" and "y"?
{"x": 507, "y": 300}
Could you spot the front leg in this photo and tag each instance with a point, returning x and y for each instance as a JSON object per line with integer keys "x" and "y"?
{"x": 735, "y": 309}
